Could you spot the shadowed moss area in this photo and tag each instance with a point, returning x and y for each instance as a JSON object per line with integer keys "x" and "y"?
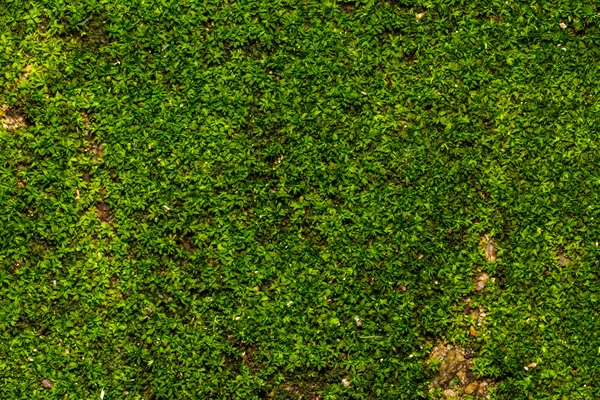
{"x": 299, "y": 199}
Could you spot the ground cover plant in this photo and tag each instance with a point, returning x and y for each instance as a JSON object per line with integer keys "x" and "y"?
{"x": 299, "y": 199}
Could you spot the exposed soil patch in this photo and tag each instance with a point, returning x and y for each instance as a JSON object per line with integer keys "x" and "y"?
{"x": 481, "y": 279}
{"x": 310, "y": 385}
{"x": 248, "y": 356}
{"x": 347, "y": 8}
{"x": 187, "y": 244}
{"x": 96, "y": 149}
{"x": 454, "y": 376}
{"x": 12, "y": 118}
{"x": 562, "y": 259}
{"x": 489, "y": 249}
{"x": 477, "y": 313}
{"x": 104, "y": 211}
{"x": 47, "y": 383}
{"x": 91, "y": 31}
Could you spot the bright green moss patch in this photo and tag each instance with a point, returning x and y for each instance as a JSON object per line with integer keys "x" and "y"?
{"x": 281, "y": 199}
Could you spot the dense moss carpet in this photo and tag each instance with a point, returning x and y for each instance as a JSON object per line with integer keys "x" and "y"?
{"x": 299, "y": 199}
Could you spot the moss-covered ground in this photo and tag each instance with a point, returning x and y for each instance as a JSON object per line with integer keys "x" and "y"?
{"x": 299, "y": 199}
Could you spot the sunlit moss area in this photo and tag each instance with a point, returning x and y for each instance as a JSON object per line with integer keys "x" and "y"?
{"x": 309, "y": 199}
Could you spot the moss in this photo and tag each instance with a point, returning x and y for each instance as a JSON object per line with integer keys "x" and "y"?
{"x": 201, "y": 199}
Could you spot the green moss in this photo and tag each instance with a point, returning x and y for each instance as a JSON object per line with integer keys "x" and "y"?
{"x": 287, "y": 199}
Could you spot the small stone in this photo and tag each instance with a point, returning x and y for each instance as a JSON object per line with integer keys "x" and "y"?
{"x": 47, "y": 383}
{"x": 482, "y": 278}
{"x": 449, "y": 394}
{"x": 479, "y": 316}
{"x": 563, "y": 25}
{"x": 490, "y": 250}
{"x": 482, "y": 389}
{"x": 450, "y": 366}
{"x": 471, "y": 387}
{"x": 346, "y": 382}
{"x": 562, "y": 260}
{"x": 532, "y": 365}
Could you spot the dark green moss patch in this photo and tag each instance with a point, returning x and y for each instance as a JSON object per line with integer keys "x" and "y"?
{"x": 245, "y": 199}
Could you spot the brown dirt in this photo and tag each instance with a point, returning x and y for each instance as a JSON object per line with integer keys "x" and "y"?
{"x": 454, "y": 377}
{"x": 93, "y": 147}
{"x": 487, "y": 243}
{"x": 104, "y": 211}
{"x": 187, "y": 244}
{"x": 562, "y": 259}
{"x": 47, "y": 383}
{"x": 481, "y": 280}
{"x": 12, "y": 118}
